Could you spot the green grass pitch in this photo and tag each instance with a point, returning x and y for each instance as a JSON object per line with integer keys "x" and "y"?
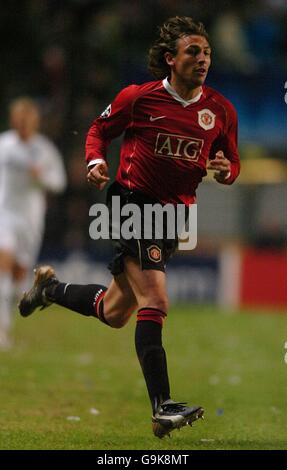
{"x": 64, "y": 365}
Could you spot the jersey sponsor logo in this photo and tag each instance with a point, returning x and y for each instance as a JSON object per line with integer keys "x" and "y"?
{"x": 107, "y": 112}
{"x": 156, "y": 118}
{"x": 206, "y": 119}
{"x": 178, "y": 146}
{"x": 154, "y": 253}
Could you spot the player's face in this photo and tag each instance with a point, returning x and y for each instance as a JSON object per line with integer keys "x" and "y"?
{"x": 25, "y": 120}
{"x": 192, "y": 61}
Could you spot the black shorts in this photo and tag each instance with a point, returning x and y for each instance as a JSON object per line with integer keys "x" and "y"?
{"x": 151, "y": 253}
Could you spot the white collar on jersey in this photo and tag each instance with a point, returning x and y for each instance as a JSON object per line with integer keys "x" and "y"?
{"x": 176, "y": 96}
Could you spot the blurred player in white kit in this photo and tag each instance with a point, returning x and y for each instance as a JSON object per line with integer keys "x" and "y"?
{"x": 30, "y": 165}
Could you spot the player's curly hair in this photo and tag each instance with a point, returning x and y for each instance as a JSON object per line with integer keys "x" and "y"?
{"x": 173, "y": 29}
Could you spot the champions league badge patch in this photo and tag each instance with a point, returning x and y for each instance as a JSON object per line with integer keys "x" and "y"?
{"x": 107, "y": 111}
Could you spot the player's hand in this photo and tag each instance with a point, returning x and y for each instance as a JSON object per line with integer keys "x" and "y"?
{"x": 221, "y": 167}
{"x": 35, "y": 172}
{"x": 98, "y": 175}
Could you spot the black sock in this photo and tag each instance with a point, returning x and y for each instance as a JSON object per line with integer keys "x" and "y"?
{"x": 79, "y": 298}
{"x": 152, "y": 359}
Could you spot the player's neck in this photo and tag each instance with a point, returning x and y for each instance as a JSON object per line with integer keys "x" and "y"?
{"x": 183, "y": 90}
{"x": 25, "y": 136}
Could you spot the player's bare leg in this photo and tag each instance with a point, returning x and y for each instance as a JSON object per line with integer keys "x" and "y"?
{"x": 6, "y": 298}
{"x": 119, "y": 302}
{"x": 149, "y": 287}
{"x": 19, "y": 273}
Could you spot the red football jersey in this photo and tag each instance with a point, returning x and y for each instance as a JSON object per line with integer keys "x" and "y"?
{"x": 167, "y": 140}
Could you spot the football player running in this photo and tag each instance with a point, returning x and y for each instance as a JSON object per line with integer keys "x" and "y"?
{"x": 175, "y": 128}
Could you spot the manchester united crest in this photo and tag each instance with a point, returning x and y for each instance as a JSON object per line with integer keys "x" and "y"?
{"x": 206, "y": 119}
{"x": 154, "y": 253}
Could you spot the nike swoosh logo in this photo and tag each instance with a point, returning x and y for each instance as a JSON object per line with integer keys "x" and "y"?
{"x": 156, "y": 118}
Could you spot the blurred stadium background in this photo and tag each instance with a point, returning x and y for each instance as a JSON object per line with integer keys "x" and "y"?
{"x": 73, "y": 56}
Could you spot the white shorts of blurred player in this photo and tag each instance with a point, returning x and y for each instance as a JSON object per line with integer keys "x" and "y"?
{"x": 17, "y": 239}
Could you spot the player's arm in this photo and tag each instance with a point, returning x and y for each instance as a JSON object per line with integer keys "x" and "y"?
{"x": 111, "y": 124}
{"x": 48, "y": 171}
{"x": 224, "y": 155}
